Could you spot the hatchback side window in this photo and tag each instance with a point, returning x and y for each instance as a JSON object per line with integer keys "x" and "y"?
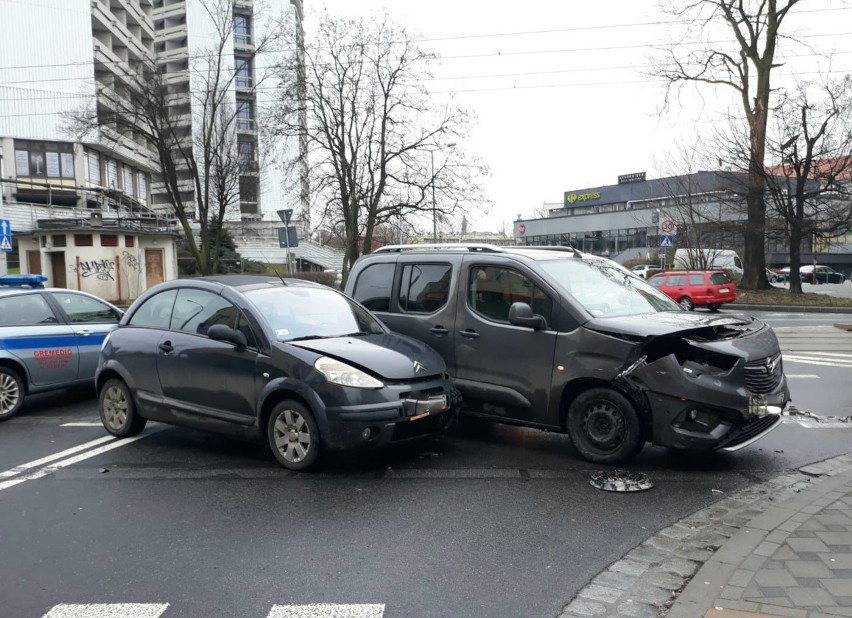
{"x": 25, "y": 310}
{"x": 493, "y": 289}
{"x": 156, "y": 312}
{"x": 373, "y": 287}
{"x": 425, "y": 288}
{"x": 82, "y": 309}
{"x": 696, "y": 279}
{"x": 197, "y": 310}
{"x": 676, "y": 280}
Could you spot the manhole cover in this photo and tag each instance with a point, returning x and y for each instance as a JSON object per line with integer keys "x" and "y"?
{"x": 621, "y": 480}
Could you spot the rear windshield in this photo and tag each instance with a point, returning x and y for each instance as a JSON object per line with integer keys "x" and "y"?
{"x": 605, "y": 289}
{"x": 719, "y": 278}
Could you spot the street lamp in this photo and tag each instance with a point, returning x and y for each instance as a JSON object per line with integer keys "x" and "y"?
{"x": 434, "y": 209}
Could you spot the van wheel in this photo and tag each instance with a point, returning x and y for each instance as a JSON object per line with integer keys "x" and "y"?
{"x": 11, "y": 393}
{"x": 686, "y": 303}
{"x": 604, "y": 427}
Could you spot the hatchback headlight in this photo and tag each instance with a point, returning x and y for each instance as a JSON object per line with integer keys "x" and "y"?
{"x": 337, "y": 372}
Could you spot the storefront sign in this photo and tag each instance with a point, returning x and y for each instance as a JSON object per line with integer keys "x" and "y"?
{"x": 522, "y": 229}
{"x": 637, "y": 177}
{"x": 573, "y": 198}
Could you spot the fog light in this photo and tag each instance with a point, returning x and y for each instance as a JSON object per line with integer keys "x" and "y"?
{"x": 366, "y": 433}
{"x": 693, "y": 414}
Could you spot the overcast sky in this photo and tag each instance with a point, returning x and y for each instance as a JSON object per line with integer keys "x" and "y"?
{"x": 560, "y": 95}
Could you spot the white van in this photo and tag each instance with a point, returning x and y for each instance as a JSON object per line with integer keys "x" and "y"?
{"x": 701, "y": 259}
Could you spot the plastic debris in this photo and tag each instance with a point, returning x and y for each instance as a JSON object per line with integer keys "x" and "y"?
{"x": 620, "y": 480}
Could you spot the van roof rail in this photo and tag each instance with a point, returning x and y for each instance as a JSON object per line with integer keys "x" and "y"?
{"x": 473, "y": 247}
{"x": 568, "y": 249}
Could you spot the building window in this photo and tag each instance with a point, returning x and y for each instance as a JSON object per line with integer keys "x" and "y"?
{"x": 242, "y": 30}
{"x": 83, "y": 240}
{"x": 129, "y": 241}
{"x": 44, "y": 159}
{"x": 243, "y": 71}
{"x": 143, "y": 186}
{"x": 128, "y": 180}
{"x": 93, "y": 167}
{"x": 245, "y": 115}
{"x": 59, "y": 240}
{"x": 112, "y": 173}
{"x": 246, "y": 151}
{"x": 109, "y": 240}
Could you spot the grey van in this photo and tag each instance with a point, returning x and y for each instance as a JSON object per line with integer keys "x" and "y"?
{"x": 552, "y": 338}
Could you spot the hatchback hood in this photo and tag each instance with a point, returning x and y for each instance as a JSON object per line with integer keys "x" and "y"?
{"x": 390, "y": 356}
{"x": 709, "y": 327}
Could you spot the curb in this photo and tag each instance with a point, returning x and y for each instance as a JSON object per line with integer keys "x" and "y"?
{"x": 789, "y": 308}
{"x": 648, "y": 581}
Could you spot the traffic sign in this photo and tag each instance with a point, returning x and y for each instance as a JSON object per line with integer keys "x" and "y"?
{"x": 667, "y": 226}
{"x": 662, "y": 251}
{"x": 5, "y": 235}
{"x": 667, "y": 242}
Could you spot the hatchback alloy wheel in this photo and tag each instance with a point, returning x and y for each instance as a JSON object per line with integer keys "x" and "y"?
{"x": 11, "y": 394}
{"x": 115, "y": 408}
{"x": 118, "y": 410}
{"x": 293, "y": 435}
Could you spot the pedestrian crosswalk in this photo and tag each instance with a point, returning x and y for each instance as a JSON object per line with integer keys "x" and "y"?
{"x": 824, "y": 359}
{"x": 158, "y": 610}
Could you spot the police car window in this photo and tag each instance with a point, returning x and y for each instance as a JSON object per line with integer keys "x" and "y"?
{"x": 25, "y": 310}
{"x": 156, "y": 312}
{"x": 80, "y": 309}
{"x": 425, "y": 287}
{"x": 492, "y": 290}
{"x": 373, "y": 287}
{"x": 196, "y": 311}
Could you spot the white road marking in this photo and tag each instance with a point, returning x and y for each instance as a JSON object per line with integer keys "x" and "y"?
{"x": 50, "y": 469}
{"x": 107, "y": 610}
{"x": 40, "y": 462}
{"x": 823, "y": 362}
{"x": 327, "y": 610}
{"x": 844, "y": 355}
{"x": 801, "y": 375}
{"x": 83, "y": 424}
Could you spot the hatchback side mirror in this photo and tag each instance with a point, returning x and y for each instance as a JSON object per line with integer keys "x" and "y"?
{"x": 520, "y": 314}
{"x": 221, "y": 332}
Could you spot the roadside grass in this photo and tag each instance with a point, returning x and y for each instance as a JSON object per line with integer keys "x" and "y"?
{"x": 780, "y": 296}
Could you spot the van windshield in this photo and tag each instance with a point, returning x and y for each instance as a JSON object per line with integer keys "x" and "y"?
{"x": 604, "y": 289}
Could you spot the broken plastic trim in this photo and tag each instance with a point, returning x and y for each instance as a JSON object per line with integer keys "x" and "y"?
{"x": 620, "y": 480}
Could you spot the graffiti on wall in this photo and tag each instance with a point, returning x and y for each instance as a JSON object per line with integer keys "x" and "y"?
{"x": 130, "y": 260}
{"x": 100, "y": 269}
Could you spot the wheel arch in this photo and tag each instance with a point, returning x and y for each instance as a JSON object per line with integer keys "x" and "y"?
{"x": 19, "y": 369}
{"x": 574, "y": 388}
{"x": 284, "y": 394}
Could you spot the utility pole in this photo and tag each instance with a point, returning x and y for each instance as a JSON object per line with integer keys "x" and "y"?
{"x": 4, "y": 269}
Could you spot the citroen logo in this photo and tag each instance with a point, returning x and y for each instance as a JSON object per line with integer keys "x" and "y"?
{"x": 418, "y": 366}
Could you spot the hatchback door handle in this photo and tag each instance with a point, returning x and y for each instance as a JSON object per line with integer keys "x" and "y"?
{"x": 438, "y": 330}
{"x": 166, "y": 346}
{"x": 469, "y": 334}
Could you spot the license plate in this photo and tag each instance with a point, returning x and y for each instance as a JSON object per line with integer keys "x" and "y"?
{"x": 724, "y": 290}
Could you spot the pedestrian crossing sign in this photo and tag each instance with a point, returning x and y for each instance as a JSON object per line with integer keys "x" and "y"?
{"x": 666, "y": 242}
{"x": 5, "y": 235}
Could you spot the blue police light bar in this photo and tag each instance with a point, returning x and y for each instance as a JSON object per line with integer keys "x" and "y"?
{"x": 34, "y": 281}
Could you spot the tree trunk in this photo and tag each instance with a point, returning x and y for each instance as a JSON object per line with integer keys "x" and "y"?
{"x": 795, "y": 257}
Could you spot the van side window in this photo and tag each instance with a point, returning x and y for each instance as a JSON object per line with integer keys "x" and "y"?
{"x": 493, "y": 289}
{"x": 373, "y": 287}
{"x": 425, "y": 288}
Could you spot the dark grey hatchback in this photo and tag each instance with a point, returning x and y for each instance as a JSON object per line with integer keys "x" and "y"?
{"x": 292, "y": 362}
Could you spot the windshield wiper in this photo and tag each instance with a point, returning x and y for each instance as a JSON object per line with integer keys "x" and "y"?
{"x": 359, "y": 333}
{"x": 307, "y": 337}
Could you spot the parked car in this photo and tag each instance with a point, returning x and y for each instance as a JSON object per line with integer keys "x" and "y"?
{"x": 49, "y": 338}
{"x": 551, "y": 338}
{"x": 696, "y": 288}
{"x": 646, "y": 270}
{"x": 820, "y": 274}
{"x": 291, "y": 362}
{"x": 777, "y": 276}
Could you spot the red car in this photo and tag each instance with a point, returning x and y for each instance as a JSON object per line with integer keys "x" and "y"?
{"x": 696, "y": 288}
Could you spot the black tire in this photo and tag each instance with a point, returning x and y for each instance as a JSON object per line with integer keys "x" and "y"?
{"x": 12, "y": 393}
{"x": 686, "y": 303}
{"x": 773, "y": 279}
{"x": 714, "y": 307}
{"x": 604, "y": 427}
{"x": 118, "y": 410}
{"x": 293, "y": 435}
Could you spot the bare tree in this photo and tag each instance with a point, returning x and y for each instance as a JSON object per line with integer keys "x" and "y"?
{"x": 380, "y": 149}
{"x": 146, "y": 103}
{"x": 809, "y": 189}
{"x": 744, "y": 65}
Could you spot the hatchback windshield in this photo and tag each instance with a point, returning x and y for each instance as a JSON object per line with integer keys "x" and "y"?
{"x": 607, "y": 290}
{"x": 297, "y": 312}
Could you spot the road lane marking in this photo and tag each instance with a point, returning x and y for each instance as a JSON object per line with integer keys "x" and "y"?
{"x": 801, "y": 375}
{"x": 107, "y": 610}
{"x": 50, "y": 469}
{"x": 83, "y": 424}
{"x": 327, "y": 610}
{"x": 823, "y": 362}
{"x": 845, "y": 355}
{"x": 40, "y": 462}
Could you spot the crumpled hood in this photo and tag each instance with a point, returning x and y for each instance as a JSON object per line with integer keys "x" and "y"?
{"x": 390, "y": 356}
{"x": 670, "y": 322}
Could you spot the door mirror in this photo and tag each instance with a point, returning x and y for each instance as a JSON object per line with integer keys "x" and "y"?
{"x": 520, "y": 314}
{"x": 221, "y": 332}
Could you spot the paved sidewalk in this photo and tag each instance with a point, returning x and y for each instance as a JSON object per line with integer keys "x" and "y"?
{"x": 780, "y": 548}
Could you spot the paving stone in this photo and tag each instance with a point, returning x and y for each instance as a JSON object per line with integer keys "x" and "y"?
{"x": 835, "y": 538}
{"x": 837, "y": 611}
{"x": 753, "y": 562}
{"x": 810, "y": 597}
{"x": 582, "y": 607}
{"x": 773, "y": 593}
{"x": 663, "y": 543}
{"x": 809, "y": 582}
{"x": 679, "y": 566}
{"x": 837, "y": 561}
{"x": 834, "y": 518}
{"x": 629, "y": 567}
{"x": 677, "y": 532}
{"x": 766, "y": 579}
{"x": 668, "y": 581}
{"x": 785, "y": 553}
{"x": 766, "y": 549}
{"x": 843, "y": 601}
{"x": 636, "y": 609}
{"x": 650, "y": 594}
{"x": 777, "y": 536}
{"x": 807, "y": 545}
{"x": 732, "y": 592}
{"x": 741, "y": 578}
{"x": 799, "y": 568}
{"x": 644, "y": 553}
{"x": 783, "y": 611}
{"x": 744, "y": 606}
{"x": 838, "y": 587}
{"x": 600, "y": 593}
{"x": 791, "y": 526}
{"x": 619, "y": 581}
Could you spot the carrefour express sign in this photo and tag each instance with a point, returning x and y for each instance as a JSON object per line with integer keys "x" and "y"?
{"x": 573, "y": 198}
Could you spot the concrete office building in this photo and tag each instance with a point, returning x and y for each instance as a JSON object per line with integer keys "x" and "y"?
{"x": 621, "y": 221}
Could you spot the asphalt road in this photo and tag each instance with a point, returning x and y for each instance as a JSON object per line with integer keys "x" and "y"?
{"x": 497, "y": 522}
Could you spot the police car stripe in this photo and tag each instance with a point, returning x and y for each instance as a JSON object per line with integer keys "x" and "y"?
{"x": 47, "y": 342}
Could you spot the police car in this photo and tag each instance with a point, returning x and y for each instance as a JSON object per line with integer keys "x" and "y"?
{"x": 50, "y": 338}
